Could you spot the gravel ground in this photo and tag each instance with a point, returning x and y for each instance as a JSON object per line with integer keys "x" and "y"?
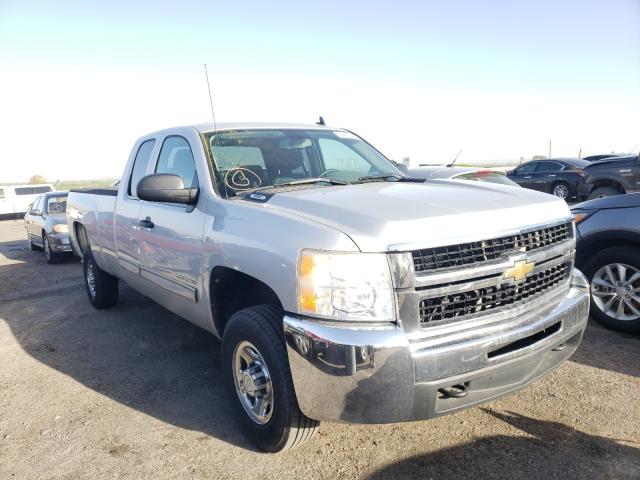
{"x": 134, "y": 392}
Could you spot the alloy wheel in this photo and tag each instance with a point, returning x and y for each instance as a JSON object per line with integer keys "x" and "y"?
{"x": 561, "y": 191}
{"x": 252, "y": 382}
{"x": 91, "y": 279}
{"x": 47, "y": 249}
{"x": 615, "y": 289}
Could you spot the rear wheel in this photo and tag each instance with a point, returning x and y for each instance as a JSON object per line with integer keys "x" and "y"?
{"x": 561, "y": 189}
{"x": 102, "y": 288}
{"x": 50, "y": 256}
{"x": 256, "y": 372}
{"x": 604, "y": 192}
{"x": 614, "y": 275}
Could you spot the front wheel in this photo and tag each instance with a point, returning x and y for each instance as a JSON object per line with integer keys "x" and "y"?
{"x": 49, "y": 255}
{"x": 614, "y": 275}
{"x": 257, "y": 375}
{"x": 102, "y": 288}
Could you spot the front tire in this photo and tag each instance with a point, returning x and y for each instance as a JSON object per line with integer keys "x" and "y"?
{"x": 614, "y": 275}
{"x": 603, "y": 192}
{"x": 256, "y": 373}
{"x": 102, "y": 288}
{"x": 49, "y": 255}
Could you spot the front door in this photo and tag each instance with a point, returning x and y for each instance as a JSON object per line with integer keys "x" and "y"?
{"x": 524, "y": 175}
{"x": 171, "y": 235}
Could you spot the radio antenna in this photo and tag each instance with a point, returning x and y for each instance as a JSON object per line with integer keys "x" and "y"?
{"x": 213, "y": 115}
{"x": 455, "y": 159}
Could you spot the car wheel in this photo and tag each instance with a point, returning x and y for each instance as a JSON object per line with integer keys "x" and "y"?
{"x": 102, "y": 288}
{"x": 33, "y": 247}
{"x": 604, "y": 192}
{"x": 614, "y": 275}
{"x": 561, "y": 189}
{"x": 49, "y": 255}
{"x": 257, "y": 375}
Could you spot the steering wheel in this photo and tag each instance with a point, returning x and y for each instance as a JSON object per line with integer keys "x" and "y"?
{"x": 239, "y": 179}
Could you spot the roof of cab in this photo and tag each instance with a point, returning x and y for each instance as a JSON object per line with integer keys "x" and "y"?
{"x": 210, "y": 127}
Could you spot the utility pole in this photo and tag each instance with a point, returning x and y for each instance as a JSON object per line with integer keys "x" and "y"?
{"x": 549, "y": 149}
{"x": 579, "y": 154}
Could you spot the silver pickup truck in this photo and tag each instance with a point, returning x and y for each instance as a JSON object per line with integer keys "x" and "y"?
{"x": 342, "y": 290}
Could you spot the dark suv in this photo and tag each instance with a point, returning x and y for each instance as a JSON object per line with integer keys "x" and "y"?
{"x": 610, "y": 177}
{"x": 608, "y": 252}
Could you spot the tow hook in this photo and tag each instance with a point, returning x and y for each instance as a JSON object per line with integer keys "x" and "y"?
{"x": 560, "y": 347}
{"x": 454, "y": 391}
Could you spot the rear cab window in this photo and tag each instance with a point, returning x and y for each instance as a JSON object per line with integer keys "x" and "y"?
{"x": 32, "y": 190}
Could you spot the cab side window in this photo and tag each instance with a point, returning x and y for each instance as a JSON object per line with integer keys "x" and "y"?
{"x": 527, "y": 168}
{"x": 549, "y": 167}
{"x": 140, "y": 164}
{"x": 36, "y": 205}
{"x": 176, "y": 158}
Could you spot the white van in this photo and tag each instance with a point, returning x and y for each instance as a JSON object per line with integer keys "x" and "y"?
{"x": 15, "y": 199}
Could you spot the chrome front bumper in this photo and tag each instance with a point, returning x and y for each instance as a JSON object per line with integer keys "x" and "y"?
{"x": 381, "y": 375}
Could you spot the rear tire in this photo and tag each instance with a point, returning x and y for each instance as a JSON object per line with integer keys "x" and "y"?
{"x": 102, "y": 288}
{"x": 283, "y": 425}
{"x": 561, "y": 190}
{"x": 49, "y": 255}
{"x": 604, "y": 192}
{"x": 33, "y": 247}
{"x": 595, "y": 270}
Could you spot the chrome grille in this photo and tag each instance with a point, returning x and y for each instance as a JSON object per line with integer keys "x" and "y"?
{"x": 473, "y": 253}
{"x": 469, "y": 302}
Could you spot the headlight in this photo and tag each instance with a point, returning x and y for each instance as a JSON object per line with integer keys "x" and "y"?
{"x": 345, "y": 286}
{"x": 61, "y": 228}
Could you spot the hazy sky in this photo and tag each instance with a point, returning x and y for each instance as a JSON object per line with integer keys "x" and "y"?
{"x": 80, "y": 81}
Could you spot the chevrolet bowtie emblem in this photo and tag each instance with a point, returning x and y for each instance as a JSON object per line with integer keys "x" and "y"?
{"x": 519, "y": 271}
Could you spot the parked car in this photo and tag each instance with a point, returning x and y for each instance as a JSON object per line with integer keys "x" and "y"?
{"x": 604, "y": 156}
{"x": 461, "y": 173}
{"x": 46, "y": 225}
{"x": 608, "y": 252}
{"x": 342, "y": 290}
{"x": 558, "y": 176}
{"x": 15, "y": 199}
{"x": 613, "y": 176}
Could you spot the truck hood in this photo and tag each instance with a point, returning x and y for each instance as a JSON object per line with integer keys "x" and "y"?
{"x": 381, "y": 216}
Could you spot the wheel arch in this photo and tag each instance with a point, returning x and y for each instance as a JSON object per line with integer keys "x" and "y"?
{"x": 604, "y": 240}
{"x": 231, "y": 290}
{"x": 607, "y": 182}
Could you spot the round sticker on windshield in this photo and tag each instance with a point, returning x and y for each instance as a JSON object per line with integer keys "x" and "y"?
{"x": 241, "y": 179}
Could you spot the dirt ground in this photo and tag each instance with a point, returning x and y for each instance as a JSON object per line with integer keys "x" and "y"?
{"x": 134, "y": 392}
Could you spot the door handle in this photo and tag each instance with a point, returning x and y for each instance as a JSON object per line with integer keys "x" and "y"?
{"x": 551, "y": 175}
{"x": 146, "y": 223}
{"x": 527, "y": 177}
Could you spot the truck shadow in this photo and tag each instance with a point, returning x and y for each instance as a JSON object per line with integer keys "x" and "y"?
{"x": 136, "y": 353}
{"x": 549, "y": 450}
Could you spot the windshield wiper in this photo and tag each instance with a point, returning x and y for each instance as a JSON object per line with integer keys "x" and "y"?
{"x": 381, "y": 176}
{"x": 304, "y": 181}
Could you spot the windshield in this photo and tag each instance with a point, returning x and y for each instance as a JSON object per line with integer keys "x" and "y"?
{"x": 250, "y": 159}
{"x": 56, "y": 204}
